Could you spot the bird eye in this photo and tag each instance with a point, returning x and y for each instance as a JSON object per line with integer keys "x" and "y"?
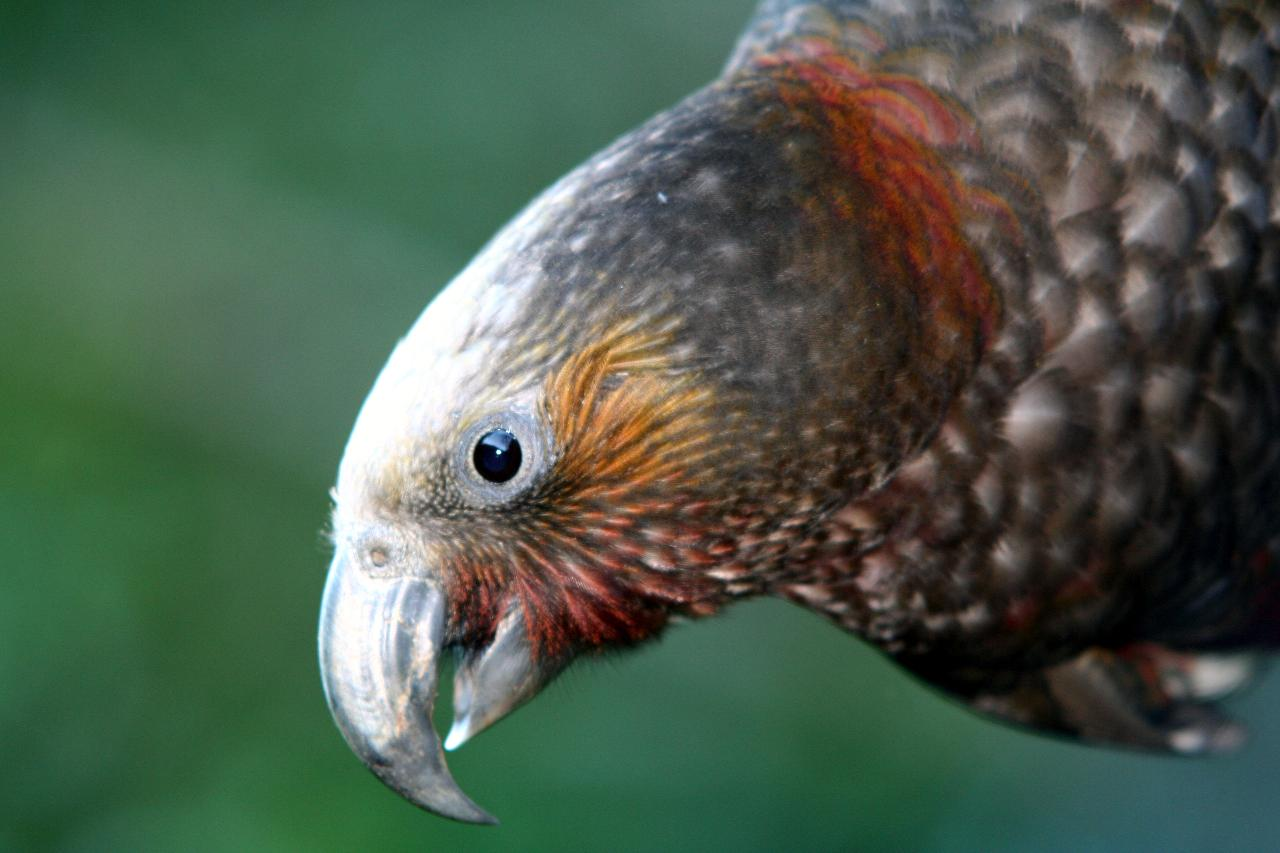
{"x": 493, "y": 467}
{"x": 497, "y": 456}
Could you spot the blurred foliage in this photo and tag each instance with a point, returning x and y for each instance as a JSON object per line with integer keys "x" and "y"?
{"x": 217, "y": 218}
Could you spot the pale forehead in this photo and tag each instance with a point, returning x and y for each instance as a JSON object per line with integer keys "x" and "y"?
{"x": 500, "y": 305}
{"x": 434, "y": 373}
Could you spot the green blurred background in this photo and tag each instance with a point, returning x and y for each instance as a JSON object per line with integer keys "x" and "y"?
{"x": 215, "y": 220}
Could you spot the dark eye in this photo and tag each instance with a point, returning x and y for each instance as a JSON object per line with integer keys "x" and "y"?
{"x": 497, "y": 456}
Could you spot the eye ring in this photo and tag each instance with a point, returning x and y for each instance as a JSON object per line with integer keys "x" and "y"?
{"x": 497, "y": 456}
{"x": 510, "y": 472}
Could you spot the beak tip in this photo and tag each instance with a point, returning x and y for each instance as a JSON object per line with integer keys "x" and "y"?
{"x": 464, "y": 811}
{"x": 439, "y": 798}
{"x": 459, "y": 734}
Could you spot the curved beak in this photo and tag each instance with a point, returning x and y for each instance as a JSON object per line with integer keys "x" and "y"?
{"x": 380, "y": 641}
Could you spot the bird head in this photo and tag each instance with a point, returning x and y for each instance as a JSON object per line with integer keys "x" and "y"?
{"x": 639, "y": 402}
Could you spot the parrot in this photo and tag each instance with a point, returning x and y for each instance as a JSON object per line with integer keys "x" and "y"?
{"x": 954, "y": 323}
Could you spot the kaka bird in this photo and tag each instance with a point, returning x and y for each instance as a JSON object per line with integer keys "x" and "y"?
{"x": 955, "y": 323}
